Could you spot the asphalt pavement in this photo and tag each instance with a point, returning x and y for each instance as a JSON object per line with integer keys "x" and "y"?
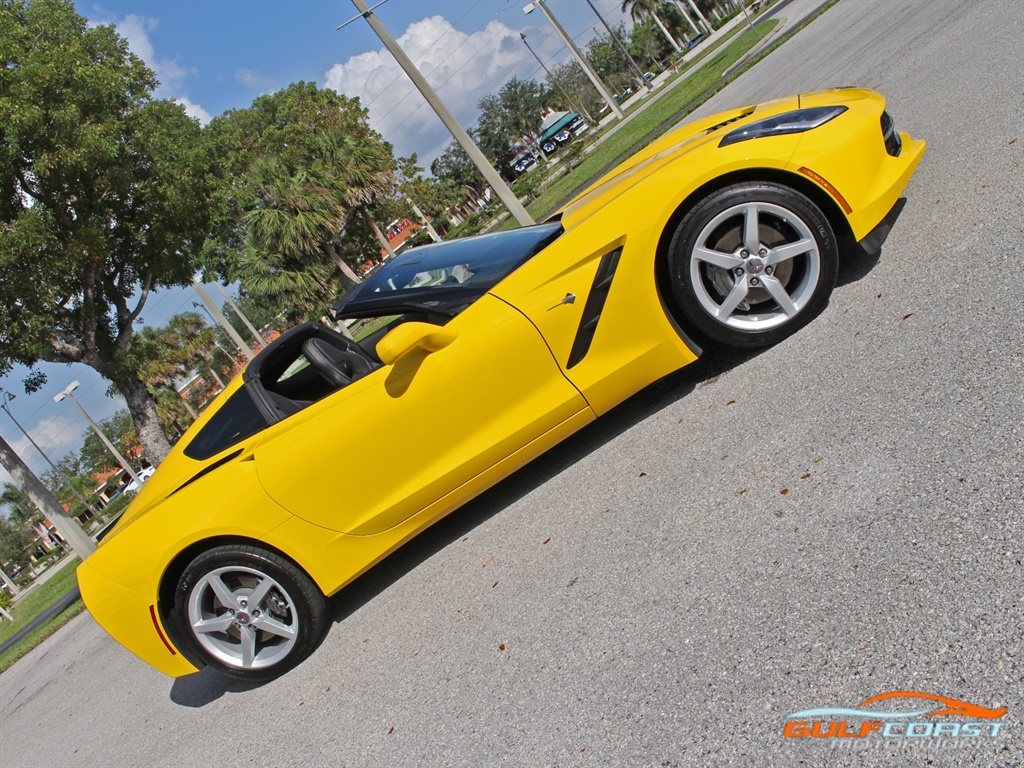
{"x": 809, "y": 526}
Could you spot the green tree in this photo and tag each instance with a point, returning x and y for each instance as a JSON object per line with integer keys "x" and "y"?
{"x": 574, "y": 81}
{"x": 454, "y": 168}
{"x": 120, "y": 430}
{"x": 104, "y": 198}
{"x": 300, "y": 167}
{"x": 19, "y": 509}
{"x": 169, "y": 356}
{"x": 510, "y": 117}
{"x": 15, "y": 539}
{"x": 609, "y": 63}
{"x": 522, "y": 104}
{"x": 652, "y": 10}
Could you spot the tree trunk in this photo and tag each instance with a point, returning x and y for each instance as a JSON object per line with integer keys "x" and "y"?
{"x": 686, "y": 15}
{"x": 349, "y": 276}
{"x": 143, "y": 410}
{"x": 376, "y": 230}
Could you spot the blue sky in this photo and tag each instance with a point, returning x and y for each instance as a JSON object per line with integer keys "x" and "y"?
{"x": 217, "y": 55}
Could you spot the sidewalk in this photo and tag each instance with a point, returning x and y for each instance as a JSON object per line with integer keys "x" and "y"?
{"x": 46, "y": 576}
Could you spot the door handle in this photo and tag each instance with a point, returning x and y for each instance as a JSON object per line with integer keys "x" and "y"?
{"x": 570, "y": 298}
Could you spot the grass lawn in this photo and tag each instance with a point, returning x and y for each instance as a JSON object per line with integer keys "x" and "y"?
{"x": 41, "y": 598}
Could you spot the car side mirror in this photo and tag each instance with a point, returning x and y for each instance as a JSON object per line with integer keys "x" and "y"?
{"x": 412, "y": 336}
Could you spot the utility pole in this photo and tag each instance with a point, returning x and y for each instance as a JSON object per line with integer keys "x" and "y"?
{"x": 66, "y": 526}
{"x": 557, "y": 84}
{"x": 228, "y": 328}
{"x": 498, "y": 184}
{"x": 598, "y": 83}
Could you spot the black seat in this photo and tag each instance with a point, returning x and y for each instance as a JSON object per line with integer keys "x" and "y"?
{"x": 340, "y": 367}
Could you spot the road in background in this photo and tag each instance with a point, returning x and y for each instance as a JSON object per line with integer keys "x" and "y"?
{"x": 833, "y": 518}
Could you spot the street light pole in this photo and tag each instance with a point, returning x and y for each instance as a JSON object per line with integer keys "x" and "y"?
{"x": 498, "y": 184}
{"x": 99, "y": 432}
{"x": 598, "y": 83}
{"x": 7, "y": 397}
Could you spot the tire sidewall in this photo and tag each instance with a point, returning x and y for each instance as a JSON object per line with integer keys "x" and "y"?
{"x": 689, "y": 229}
{"x": 308, "y": 602}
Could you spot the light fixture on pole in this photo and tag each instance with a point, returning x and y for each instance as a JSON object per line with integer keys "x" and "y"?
{"x": 99, "y": 432}
{"x": 598, "y": 83}
{"x": 7, "y": 397}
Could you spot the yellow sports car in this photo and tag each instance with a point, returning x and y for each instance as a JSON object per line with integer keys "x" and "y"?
{"x": 327, "y": 454}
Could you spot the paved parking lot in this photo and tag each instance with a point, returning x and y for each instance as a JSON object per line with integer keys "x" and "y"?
{"x": 809, "y": 526}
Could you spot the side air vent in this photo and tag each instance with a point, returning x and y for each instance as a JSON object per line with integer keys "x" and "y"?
{"x": 595, "y": 303}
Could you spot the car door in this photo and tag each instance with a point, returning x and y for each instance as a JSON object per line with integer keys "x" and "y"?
{"x": 385, "y": 447}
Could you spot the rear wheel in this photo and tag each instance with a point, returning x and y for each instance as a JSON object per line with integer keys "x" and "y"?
{"x": 247, "y": 612}
{"x": 752, "y": 263}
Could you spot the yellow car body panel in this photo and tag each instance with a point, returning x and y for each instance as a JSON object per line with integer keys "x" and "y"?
{"x": 337, "y": 558}
{"x": 461, "y": 410}
{"x": 338, "y": 485}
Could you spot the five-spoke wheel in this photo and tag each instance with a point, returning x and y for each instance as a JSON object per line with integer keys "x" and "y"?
{"x": 751, "y": 263}
{"x": 248, "y": 612}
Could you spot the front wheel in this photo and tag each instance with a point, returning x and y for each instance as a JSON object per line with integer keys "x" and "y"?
{"x": 752, "y": 263}
{"x": 247, "y": 612}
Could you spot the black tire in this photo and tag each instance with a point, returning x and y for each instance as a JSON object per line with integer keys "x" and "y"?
{"x": 239, "y": 639}
{"x": 752, "y": 288}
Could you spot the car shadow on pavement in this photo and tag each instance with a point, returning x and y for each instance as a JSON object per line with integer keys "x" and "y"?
{"x": 858, "y": 262}
{"x": 206, "y": 686}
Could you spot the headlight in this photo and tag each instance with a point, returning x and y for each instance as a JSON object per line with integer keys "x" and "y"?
{"x": 789, "y": 122}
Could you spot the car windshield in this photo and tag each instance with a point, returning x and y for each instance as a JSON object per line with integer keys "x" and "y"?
{"x": 462, "y": 268}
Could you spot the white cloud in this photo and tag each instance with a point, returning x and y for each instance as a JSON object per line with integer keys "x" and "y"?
{"x": 253, "y": 79}
{"x": 172, "y": 75}
{"x": 461, "y": 67}
{"x": 194, "y": 110}
{"x": 57, "y": 435}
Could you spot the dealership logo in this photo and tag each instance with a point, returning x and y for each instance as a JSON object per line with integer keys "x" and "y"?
{"x": 875, "y": 717}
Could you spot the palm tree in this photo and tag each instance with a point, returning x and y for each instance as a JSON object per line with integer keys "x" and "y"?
{"x": 294, "y": 233}
{"x": 360, "y": 171}
{"x": 19, "y": 509}
{"x": 642, "y": 10}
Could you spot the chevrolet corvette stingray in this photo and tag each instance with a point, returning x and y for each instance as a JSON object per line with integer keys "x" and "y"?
{"x": 326, "y": 454}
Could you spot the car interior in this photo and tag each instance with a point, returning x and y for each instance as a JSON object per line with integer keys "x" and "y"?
{"x": 306, "y": 364}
